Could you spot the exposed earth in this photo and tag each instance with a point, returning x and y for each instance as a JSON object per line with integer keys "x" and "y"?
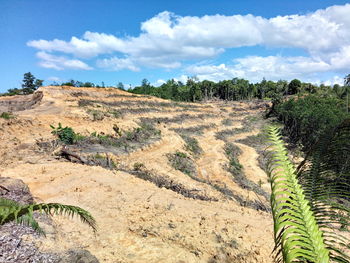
{"x": 147, "y": 208}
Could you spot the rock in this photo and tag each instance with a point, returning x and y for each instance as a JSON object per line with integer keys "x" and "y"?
{"x": 16, "y": 190}
{"x": 78, "y": 256}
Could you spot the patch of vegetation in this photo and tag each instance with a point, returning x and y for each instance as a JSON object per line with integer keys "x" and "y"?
{"x": 29, "y": 85}
{"x": 121, "y": 141}
{"x": 141, "y": 172}
{"x": 180, "y": 161}
{"x": 7, "y": 115}
{"x": 23, "y": 214}
{"x": 194, "y": 130}
{"x": 259, "y": 143}
{"x": 308, "y": 118}
{"x": 227, "y": 122}
{"x": 65, "y": 134}
{"x": 192, "y": 145}
{"x": 225, "y": 134}
{"x": 248, "y": 124}
{"x": 235, "y": 168}
{"x": 97, "y": 115}
{"x": 102, "y": 160}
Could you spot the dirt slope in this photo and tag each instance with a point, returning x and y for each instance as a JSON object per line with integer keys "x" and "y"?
{"x": 137, "y": 220}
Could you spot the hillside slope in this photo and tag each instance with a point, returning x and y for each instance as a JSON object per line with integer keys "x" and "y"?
{"x": 146, "y": 209}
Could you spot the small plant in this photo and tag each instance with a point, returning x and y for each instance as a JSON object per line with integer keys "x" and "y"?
{"x": 139, "y": 166}
{"x": 97, "y": 115}
{"x": 66, "y": 134}
{"x": 6, "y": 115}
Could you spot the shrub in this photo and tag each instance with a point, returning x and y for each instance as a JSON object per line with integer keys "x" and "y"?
{"x": 66, "y": 134}
{"x": 139, "y": 166}
{"x": 6, "y": 115}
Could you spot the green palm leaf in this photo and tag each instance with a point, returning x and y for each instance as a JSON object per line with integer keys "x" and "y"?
{"x": 13, "y": 211}
{"x": 298, "y": 237}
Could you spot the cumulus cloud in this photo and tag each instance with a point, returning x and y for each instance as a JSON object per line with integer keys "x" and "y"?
{"x": 167, "y": 41}
{"x": 116, "y": 64}
{"x": 59, "y": 62}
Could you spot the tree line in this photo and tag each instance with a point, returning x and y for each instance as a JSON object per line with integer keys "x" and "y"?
{"x": 237, "y": 89}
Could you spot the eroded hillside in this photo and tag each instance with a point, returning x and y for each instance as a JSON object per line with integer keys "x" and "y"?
{"x": 163, "y": 179}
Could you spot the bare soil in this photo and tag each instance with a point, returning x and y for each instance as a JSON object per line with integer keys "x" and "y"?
{"x": 138, "y": 221}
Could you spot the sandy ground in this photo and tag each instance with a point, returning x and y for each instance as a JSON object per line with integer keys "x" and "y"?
{"x": 138, "y": 221}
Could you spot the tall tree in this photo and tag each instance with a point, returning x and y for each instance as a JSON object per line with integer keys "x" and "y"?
{"x": 30, "y": 83}
{"x": 294, "y": 86}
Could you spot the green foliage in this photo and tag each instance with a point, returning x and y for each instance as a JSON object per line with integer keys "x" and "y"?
{"x": 23, "y": 214}
{"x": 307, "y": 208}
{"x": 180, "y": 161}
{"x": 294, "y": 86}
{"x": 139, "y": 166}
{"x": 6, "y": 115}
{"x": 29, "y": 85}
{"x": 66, "y": 134}
{"x": 306, "y": 119}
{"x": 297, "y": 234}
{"x": 192, "y": 145}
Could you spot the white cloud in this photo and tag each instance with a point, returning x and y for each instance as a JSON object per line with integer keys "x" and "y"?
{"x": 59, "y": 62}
{"x": 53, "y": 78}
{"x": 255, "y": 68}
{"x": 335, "y": 80}
{"x": 117, "y": 64}
{"x": 167, "y": 40}
{"x": 159, "y": 82}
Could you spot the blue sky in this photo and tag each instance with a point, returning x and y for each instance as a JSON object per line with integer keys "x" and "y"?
{"x": 126, "y": 41}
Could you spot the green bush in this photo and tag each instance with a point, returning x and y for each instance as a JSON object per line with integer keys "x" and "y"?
{"x": 6, "y": 115}
{"x": 66, "y": 134}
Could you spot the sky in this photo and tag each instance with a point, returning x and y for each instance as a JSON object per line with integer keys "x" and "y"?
{"x": 129, "y": 40}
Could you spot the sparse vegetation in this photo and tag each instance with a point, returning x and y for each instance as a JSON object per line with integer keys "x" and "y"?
{"x": 227, "y": 122}
{"x": 102, "y": 160}
{"x": 235, "y": 168}
{"x": 194, "y": 130}
{"x": 7, "y": 115}
{"x": 192, "y": 145}
{"x": 143, "y": 173}
{"x": 180, "y": 161}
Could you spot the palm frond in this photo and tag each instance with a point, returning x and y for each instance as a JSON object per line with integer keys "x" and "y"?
{"x": 298, "y": 237}
{"x": 13, "y": 211}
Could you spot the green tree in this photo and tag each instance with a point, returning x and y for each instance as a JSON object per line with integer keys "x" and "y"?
{"x": 347, "y": 85}
{"x": 294, "y": 86}
{"x": 30, "y": 83}
{"x": 120, "y": 86}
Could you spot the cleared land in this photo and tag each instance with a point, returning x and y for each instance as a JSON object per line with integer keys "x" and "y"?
{"x": 166, "y": 181}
